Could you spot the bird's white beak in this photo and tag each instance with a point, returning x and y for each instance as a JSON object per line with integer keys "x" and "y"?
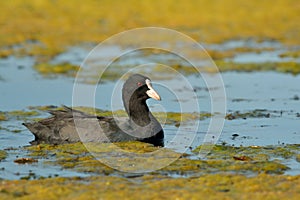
{"x": 151, "y": 92}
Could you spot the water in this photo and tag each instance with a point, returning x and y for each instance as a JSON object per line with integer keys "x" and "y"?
{"x": 21, "y": 87}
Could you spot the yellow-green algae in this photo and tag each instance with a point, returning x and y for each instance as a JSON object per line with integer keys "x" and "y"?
{"x": 2, "y": 116}
{"x": 221, "y": 159}
{"x": 3, "y": 155}
{"x": 52, "y": 70}
{"x": 285, "y": 67}
{"x": 222, "y": 65}
{"x": 53, "y": 25}
{"x": 19, "y": 114}
{"x": 47, "y": 29}
{"x": 257, "y": 113}
{"x": 65, "y": 69}
{"x": 229, "y": 53}
{"x": 217, "y": 186}
{"x": 255, "y": 153}
{"x": 291, "y": 54}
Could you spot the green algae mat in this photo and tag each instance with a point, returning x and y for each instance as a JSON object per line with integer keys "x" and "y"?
{"x": 227, "y": 173}
{"x": 49, "y": 27}
{"x": 220, "y": 186}
{"x": 45, "y": 29}
{"x": 238, "y": 160}
{"x": 2, "y": 155}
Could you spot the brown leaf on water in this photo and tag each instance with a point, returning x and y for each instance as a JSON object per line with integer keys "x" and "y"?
{"x": 25, "y": 160}
{"x": 242, "y": 158}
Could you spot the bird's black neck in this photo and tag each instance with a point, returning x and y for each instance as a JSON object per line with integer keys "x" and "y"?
{"x": 139, "y": 112}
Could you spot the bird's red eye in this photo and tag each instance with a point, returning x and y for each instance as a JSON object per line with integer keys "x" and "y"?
{"x": 139, "y": 84}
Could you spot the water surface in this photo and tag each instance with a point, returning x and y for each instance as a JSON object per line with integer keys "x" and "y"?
{"x": 276, "y": 93}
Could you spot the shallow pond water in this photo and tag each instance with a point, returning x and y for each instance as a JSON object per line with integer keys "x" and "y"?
{"x": 274, "y": 94}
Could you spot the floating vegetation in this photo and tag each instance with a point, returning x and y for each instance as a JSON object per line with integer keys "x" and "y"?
{"x": 238, "y": 160}
{"x": 66, "y": 69}
{"x": 43, "y": 108}
{"x": 255, "y": 153}
{"x": 290, "y": 54}
{"x": 218, "y": 186}
{"x": 20, "y": 114}
{"x": 3, "y": 155}
{"x": 58, "y": 69}
{"x": 2, "y": 116}
{"x": 258, "y": 113}
{"x": 55, "y": 26}
{"x": 284, "y": 67}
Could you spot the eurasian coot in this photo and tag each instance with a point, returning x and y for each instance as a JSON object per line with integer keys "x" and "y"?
{"x": 69, "y": 125}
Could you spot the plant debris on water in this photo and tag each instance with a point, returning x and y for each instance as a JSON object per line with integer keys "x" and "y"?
{"x": 25, "y": 160}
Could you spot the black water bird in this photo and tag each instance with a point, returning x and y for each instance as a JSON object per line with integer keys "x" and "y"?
{"x": 69, "y": 125}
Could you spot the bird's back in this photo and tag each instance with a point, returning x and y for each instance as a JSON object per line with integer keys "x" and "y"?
{"x": 69, "y": 126}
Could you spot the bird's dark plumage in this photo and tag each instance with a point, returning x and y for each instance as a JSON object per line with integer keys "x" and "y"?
{"x": 69, "y": 125}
